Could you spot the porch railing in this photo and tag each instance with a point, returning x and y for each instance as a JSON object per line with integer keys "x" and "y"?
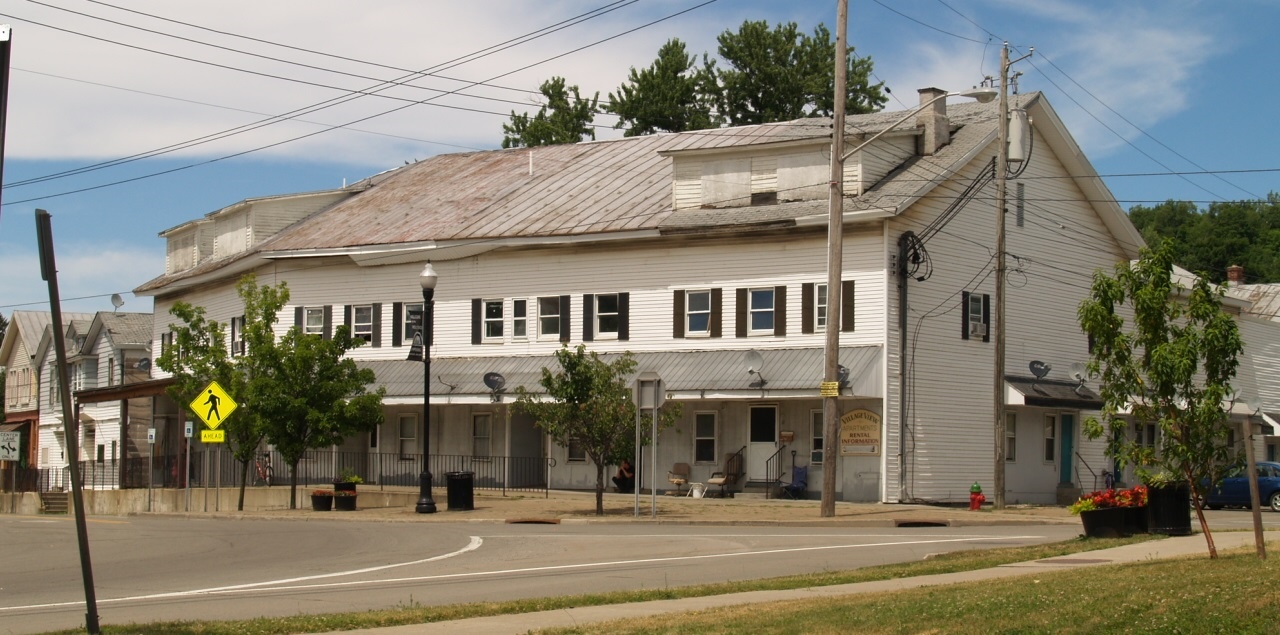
{"x": 773, "y": 469}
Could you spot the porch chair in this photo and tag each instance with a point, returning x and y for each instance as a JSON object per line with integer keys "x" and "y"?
{"x": 679, "y": 476}
{"x": 799, "y": 482}
{"x": 730, "y": 475}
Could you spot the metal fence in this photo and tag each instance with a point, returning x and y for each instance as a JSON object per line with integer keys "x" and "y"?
{"x": 317, "y": 467}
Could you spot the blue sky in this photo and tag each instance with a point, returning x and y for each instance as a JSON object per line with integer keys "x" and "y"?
{"x": 1146, "y": 87}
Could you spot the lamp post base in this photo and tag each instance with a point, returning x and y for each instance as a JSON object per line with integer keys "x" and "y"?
{"x": 426, "y": 505}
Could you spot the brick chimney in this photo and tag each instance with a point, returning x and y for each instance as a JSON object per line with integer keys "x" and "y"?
{"x": 1235, "y": 275}
{"x": 937, "y": 128}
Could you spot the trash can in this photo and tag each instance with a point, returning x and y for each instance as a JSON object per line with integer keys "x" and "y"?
{"x": 461, "y": 489}
{"x": 1169, "y": 509}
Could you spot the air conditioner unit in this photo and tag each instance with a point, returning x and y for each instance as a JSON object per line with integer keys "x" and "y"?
{"x": 977, "y": 329}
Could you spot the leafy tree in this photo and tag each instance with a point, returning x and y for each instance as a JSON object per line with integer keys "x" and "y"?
{"x": 590, "y": 404}
{"x": 199, "y": 354}
{"x": 1245, "y": 233}
{"x": 672, "y": 95}
{"x": 314, "y": 397}
{"x": 781, "y": 74}
{"x": 565, "y": 118}
{"x": 1171, "y": 364}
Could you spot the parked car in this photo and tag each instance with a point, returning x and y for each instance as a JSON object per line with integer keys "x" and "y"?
{"x": 1233, "y": 491}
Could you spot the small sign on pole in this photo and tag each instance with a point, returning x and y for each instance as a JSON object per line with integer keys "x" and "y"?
{"x": 9, "y": 445}
{"x": 189, "y": 429}
{"x": 151, "y": 436}
{"x": 213, "y": 436}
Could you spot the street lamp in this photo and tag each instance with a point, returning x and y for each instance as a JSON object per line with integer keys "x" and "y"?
{"x": 428, "y": 277}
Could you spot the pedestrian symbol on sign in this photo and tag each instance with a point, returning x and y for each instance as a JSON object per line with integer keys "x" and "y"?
{"x": 213, "y": 405}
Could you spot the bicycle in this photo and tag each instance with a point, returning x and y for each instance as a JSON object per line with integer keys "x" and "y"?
{"x": 262, "y": 470}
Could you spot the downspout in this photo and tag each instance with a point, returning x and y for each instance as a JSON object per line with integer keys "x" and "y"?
{"x": 901, "y": 271}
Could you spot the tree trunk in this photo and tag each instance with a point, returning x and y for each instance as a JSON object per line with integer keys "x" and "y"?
{"x": 1198, "y": 501}
{"x": 293, "y": 484}
{"x": 599, "y": 489}
{"x": 244, "y": 480}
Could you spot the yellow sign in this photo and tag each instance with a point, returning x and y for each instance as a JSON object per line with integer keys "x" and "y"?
{"x": 860, "y": 433}
{"x": 213, "y": 405}
{"x": 213, "y": 436}
{"x": 830, "y": 389}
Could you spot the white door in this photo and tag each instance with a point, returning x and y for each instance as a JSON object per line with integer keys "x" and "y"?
{"x": 763, "y": 437}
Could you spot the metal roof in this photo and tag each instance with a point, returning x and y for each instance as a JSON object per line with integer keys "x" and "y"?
{"x": 721, "y": 371}
{"x": 1054, "y": 393}
{"x": 1264, "y": 299}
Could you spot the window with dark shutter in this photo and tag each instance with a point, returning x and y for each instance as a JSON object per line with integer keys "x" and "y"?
{"x": 377, "y": 325}
{"x": 847, "y": 306}
{"x": 328, "y": 321}
{"x": 677, "y": 313}
{"x": 717, "y": 309}
{"x": 624, "y": 320}
{"x": 740, "y": 315}
{"x": 476, "y": 321}
{"x": 565, "y": 325}
{"x": 588, "y": 316}
{"x": 807, "y": 307}
{"x": 780, "y": 311}
{"x": 397, "y": 316}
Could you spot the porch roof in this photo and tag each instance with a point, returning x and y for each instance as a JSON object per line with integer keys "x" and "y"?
{"x": 789, "y": 372}
{"x": 1049, "y": 393}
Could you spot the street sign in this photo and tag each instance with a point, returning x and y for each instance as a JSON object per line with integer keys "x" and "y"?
{"x": 9, "y": 444}
{"x": 188, "y": 429}
{"x": 151, "y": 435}
{"x": 829, "y": 389}
{"x": 213, "y": 436}
{"x": 213, "y": 405}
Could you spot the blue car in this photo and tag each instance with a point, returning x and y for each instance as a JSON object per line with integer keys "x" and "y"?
{"x": 1233, "y": 491}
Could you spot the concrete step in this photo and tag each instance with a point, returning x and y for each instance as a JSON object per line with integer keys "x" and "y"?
{"x": 54, "y": 502}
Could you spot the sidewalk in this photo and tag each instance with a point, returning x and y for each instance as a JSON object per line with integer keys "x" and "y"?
{"x": 525, "y": 622}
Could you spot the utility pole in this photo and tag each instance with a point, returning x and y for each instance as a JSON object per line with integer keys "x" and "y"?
{"x": 1002, "y": 172}
{"x": 835, "y": 266}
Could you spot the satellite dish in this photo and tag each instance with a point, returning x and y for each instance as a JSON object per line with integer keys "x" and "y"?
{"x": 116, "y": 301}
{"x": 495, "y": 381}
{"x": 1077, "y": 371}
{"x": 1254, "y": 404}
{"x": 1039, "y": 368}
{"x": 842, "y": 374}
{"x": 143, "y": 365}
{"x": 753, "y": 360}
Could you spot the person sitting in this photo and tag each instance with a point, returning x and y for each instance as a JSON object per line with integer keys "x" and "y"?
{"x": 625, "y": 479}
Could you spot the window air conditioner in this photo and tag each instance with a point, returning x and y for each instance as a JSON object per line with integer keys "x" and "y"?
{"x": 977, "y": 329}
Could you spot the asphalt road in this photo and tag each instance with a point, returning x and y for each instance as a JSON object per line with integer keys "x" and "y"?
{"x": 164, "y": 568}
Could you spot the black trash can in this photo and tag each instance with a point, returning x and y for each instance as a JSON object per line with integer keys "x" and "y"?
{"x": 1169, "y": 509}
{"x": 461, "y": 488}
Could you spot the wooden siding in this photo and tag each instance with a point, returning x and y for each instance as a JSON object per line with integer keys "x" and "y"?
{"x": 687, "y": 184}
{"x": 231, "y": 232}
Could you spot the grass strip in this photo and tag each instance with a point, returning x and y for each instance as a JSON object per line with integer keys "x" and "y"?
{"x": 943, "y": 563}
{"x": 1236, "y": 594}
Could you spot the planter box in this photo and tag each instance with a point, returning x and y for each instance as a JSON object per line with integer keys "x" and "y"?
{"x": 344, "y": 503}
{"x": 344, "y": 487}
{"x": 1169, "y": 509}
{"x": 1104, "y": 523}
{"x": 1135, "y": 520}
{"x": 321, "y": 503}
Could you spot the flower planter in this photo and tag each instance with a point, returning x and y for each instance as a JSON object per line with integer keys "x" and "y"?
{"x": 344, "y": 487}
{"x": 344, "y": 503}
{"x": 1135, "y": 520}
{"x": 321, "y": 503}
{"x": 1108, "y": 522}
{"x": 1169, "y": 509}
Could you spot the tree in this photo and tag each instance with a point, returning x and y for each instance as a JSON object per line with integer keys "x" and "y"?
{"x": 200, "y": 354}
{"x": 589, "y": 403}
{"x": 781, "y": 74}
{"x": 672, "y": 95}
{"x": 1171, "y": 364}
{"x": 1245, "y": 233}
{"x": 563, "y": 119}
{"x": 314, "y": 397}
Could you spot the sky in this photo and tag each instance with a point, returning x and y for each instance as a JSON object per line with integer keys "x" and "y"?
{"x": 127, "y": 119}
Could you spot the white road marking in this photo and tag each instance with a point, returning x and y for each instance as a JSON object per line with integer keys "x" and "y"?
{"x": 475, "y": 544}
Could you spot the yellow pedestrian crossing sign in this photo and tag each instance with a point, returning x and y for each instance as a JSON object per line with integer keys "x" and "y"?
{"x": 213, "y": 405}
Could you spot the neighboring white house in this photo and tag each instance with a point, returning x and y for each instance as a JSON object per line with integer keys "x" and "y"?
{"x": 692, "y": 250}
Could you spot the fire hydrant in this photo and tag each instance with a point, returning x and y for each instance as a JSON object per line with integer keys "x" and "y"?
{"x": 976, "y": 499}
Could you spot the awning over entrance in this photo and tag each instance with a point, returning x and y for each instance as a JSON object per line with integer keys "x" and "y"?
{"x": 1272, "y": 419}
{"x": 1049, "y": 393}
{"x": 787, "y": 373}
{"x": 10, "y": 427}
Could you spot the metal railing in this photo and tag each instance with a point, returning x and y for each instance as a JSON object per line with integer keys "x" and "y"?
{"x": 773, "y": 470}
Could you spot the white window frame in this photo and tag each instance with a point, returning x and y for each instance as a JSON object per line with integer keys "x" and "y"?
{"x": 601, "y": 316}
{"x": 974, "y": 311}
{"x": 699, "y": 437}
{"x": 1010, "y": 437}
{"x": 491, "y": 325}
{"x": 817, "y": 437}
{"x": 407, "y": 327}
{"x": 753, "y": 311}
{"x": 1050, "y": 445}
{"x": 362, "y": 329}
{"x": 543, "y": 316}
{"x": 481, "y": 444}
{"x": 520, "y": 319}
{"x": 237, "y": 335}
{"x": 307, "y": 314}
{"x": 411, "y": 419}
{"x": 820, "y": 306}
{"x": 575, "y": 453}
{"x": 690, "y": 313}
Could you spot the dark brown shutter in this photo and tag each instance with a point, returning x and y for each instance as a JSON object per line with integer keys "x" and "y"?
{"x": 806, "y": 308}
{"x": 298, "y": 313}
{"x": 717, "y": 307}
{"x": 624, "y": 322}
{"x": 677, "y": 314}
{"x": 847, "y": 305}
{"x": 328, "y": 321}
{"x": 780, "y": 311}
{"x": 986, "y": 317}
{"x": 475, "y": 321}
{"x": 377, "y": 325}
{"x": 565, "y": 326}
{"x": 588, "y": 315}
{"x": 740, "y": 319}
{"x": 346, "y": 315}
{"x": 397, "y": 322}
{"x": 964, "y": 315}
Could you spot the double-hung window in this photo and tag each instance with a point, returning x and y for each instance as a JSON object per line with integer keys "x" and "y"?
{"x": 760, "y": 310}
{"x": 412, "y": 320}
{"x": 519, "y": 319}
{"x": 704, "y": 437}
{"x": 820, "y": 305}
{"x": 817, "y": 435}
{"x": 408, "y": 433}
{"x": 1010, "y": 437}
{"x": 607, "y": 320}
{"x": 493, "y": 320}
{"x": 313, "y": 320}
{"x": 362, "y": 322}
{"x": 697, "y": 313}
{"x": 976, "y": 310}
{"x": 1050, "y": 437}
{"x": 577, "y": 453}
{"x": 481, "y": 432}
{"x": 237, "y": 336}
{"x": 549, "y": 317}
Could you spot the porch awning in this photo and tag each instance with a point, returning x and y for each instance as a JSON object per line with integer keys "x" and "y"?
{"x": 10, "y": 427}
{"x": 1049, "y": 393}
{"x": 722, "y": 374}
{"x": 1272, "y": 419}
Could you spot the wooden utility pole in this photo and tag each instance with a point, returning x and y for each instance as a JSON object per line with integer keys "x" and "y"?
{"x": 835, "y": 265}
{"x": 1002, "y": 171}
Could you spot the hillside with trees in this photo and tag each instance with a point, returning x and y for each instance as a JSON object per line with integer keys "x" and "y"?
{"x": 1245, "y": 233}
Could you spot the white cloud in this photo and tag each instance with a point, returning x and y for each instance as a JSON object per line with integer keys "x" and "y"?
{"x": 83, "y": 270}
